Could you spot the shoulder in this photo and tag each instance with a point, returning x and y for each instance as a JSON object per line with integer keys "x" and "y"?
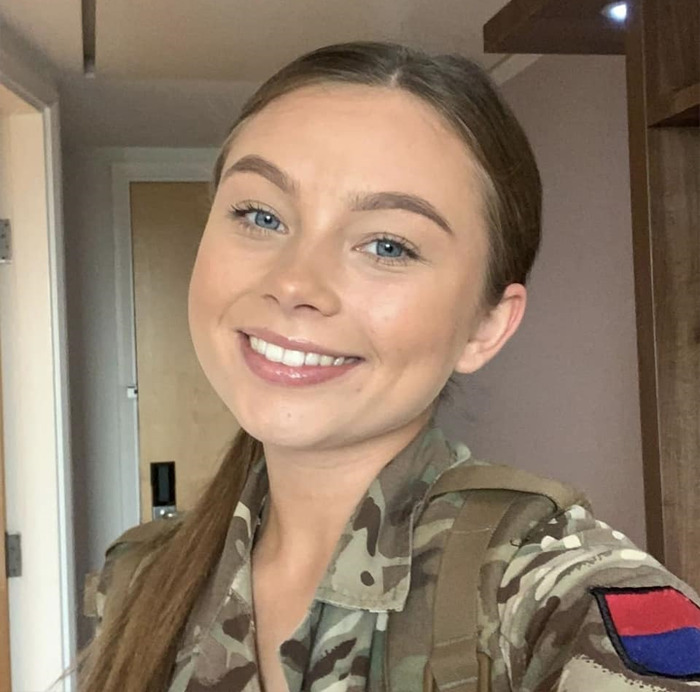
{"x": 579, "y": 600}
{"x": 124, "y": 559}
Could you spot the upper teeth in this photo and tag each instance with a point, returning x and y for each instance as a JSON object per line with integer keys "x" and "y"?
{"x": 277, "y": 354}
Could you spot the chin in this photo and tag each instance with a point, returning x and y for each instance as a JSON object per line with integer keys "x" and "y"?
{"x": 287, "y": 428}
{"x": 287, "y": 437}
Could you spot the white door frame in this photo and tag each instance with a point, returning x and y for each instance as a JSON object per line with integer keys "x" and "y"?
{"x": 139, "y": 165}
{"x": 20, "y": 73}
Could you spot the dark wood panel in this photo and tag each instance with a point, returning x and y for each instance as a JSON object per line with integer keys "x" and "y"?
{"x": 88, "y": 23}
{"x": 674, "y": 175}
{"x": 672, "y": 42}
{"x": 672, "y": 37}
{"x": 566, "y": 27}
{"x": 677, "y": 109}
{"x": 643, "y": 288}
{"x": 665, "y": 193}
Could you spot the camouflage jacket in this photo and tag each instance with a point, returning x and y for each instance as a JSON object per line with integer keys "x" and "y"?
{"x": 574, "y": 606}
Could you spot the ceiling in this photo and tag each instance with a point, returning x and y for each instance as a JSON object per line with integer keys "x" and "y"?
{"x": 11, "y": 104}
{"x": 52, "y": 26}
{"x": 175, "y": 72}
{"x": 245, "y": 40}
{"x": 238, "y": 40}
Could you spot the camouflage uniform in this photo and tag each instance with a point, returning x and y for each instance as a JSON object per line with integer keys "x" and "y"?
{"x": 370, "y": 624}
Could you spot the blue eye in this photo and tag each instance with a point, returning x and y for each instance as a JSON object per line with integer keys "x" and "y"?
{"x": 264, "y": 219}
{"x": 389, "y": 248}
{"x": 256, "y": 217}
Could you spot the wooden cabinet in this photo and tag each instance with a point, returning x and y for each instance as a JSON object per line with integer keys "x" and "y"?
{"x": 663, "y": 88}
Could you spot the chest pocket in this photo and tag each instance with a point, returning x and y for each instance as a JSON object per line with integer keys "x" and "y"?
{"x": 501, "y": 506}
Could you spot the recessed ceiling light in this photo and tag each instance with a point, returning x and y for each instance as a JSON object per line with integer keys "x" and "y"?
{"x": 617, "y": 11}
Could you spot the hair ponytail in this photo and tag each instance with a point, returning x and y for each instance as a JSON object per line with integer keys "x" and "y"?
{"x": 135, "y": 651}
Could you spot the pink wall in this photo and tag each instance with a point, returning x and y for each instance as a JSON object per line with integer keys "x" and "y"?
{"x": 561, "y": 399}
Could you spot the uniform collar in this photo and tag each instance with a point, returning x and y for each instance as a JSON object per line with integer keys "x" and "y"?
{"x": 371, "y": 565}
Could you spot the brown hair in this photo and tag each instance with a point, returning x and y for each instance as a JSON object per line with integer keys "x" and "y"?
{"x": 135, "y": 652}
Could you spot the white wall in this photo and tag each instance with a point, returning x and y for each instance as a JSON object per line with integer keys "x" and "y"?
{"x": 28, "y": 403}
{"x": 562, "y": 398}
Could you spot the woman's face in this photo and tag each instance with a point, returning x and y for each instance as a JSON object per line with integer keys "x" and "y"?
{"x": 348, "y": 224}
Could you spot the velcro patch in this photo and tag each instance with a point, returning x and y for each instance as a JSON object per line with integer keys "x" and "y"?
{"x": 655, "y": 630}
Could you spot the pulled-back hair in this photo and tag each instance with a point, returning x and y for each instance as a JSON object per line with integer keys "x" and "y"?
{"x": 136, "y": 649}
{"x": 464, "y": 95}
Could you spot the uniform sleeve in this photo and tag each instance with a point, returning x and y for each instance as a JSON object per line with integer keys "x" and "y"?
{"x": 97, "y": 587}
{"x": 105, "y": 591}
{"x": 582, "y": 609}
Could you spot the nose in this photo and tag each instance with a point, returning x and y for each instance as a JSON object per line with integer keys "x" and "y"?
{"x": 302, "y": 278}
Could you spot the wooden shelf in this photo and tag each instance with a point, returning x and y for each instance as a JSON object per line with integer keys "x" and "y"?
{"x": 563, "y": 27}
{"x": 677, "y": 109}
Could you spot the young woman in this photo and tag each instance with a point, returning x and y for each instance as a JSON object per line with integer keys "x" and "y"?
{"x": 377, "y": 212}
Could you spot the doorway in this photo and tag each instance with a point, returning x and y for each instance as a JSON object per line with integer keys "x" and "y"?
{"x": 37, "y": 610}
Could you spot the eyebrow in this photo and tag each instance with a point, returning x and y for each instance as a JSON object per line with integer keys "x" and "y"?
{"x": 257, "y": 164}
{"x": 366, "y": 202}
{"x": 402, "y": 200}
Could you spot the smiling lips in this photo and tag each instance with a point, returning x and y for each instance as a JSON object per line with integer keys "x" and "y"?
{"x": 277, "y": 354}
{"x": 279, "y": 365}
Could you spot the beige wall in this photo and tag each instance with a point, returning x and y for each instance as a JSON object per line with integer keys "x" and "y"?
{"x": 28, "y": 405}
{"x": 562, "y": 398}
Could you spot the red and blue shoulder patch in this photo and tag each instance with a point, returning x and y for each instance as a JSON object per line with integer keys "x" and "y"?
{"x": 655, "y": 631}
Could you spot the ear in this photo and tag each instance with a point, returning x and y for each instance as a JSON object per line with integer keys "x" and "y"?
{"x": 493, "y": 330}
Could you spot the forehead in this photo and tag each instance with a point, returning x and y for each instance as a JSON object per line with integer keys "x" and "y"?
{"x": 361, "y": 137}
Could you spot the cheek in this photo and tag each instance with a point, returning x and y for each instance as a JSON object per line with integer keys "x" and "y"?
{"x": 200, "y": 292}
{"x": 414, "y": 321}
{"x": 209, "y": 284}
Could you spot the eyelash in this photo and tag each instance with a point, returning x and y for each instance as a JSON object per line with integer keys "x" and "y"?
{"x": 411, "y": 254}
{"x": 410, "y": 251}
{"x": 238, "y": 213}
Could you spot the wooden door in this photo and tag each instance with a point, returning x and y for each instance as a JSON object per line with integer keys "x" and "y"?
{"x": 4, "y": 600}
{"x": 180, "y": 417}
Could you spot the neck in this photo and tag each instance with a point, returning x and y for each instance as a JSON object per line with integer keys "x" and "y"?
{"x": 312, "y": 497}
